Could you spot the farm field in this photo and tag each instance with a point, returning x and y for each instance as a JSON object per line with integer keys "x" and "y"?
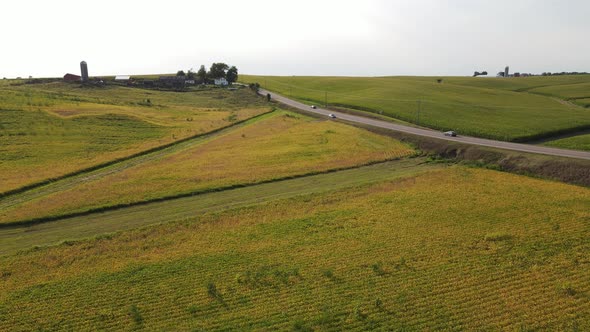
{"x": 580, "y": 142}
{"x": 49, "y": 130}
{"x": 571, "y": 92}
{"x": 453, "y": 248}
{"x": 486, "y": 107}
{"x": 281, "y": 145}
{"x": 17, "y": 237}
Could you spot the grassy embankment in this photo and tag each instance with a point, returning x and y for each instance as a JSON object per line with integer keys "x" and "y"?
{"x": 452, "y": 249}
{"x": 504, "y": 109}
{"x": 279, "y": 146}
{"x": 49, "y": 130}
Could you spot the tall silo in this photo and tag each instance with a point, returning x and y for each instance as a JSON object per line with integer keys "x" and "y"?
{"x": 84, "y": 69}
{"x": 506, "y": 71}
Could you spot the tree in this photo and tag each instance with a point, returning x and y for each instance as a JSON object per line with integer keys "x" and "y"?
{"x": 217, "y": 70}
{"x": 202, "y": 74}
{"x": 180, "y": 73}
{"x": 232, "y": 74}
{"x": 190, "y": 74}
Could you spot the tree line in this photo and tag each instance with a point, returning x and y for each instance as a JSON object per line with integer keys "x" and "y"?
{"x": 217, "y": 70}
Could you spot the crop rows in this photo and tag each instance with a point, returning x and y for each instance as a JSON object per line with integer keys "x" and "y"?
{"x": 378, "y": 256}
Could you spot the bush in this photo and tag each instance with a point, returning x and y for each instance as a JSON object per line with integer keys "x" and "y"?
{"x": 135, "y": 315}
{"x": 378, "y": 269}
{"x": 567, "y": 289}
{"x": 328, "y": 273}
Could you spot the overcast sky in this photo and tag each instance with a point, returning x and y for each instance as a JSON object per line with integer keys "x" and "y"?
{"x": 303, "y": 37}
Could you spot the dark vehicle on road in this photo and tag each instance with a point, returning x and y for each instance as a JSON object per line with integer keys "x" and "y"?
{"x": 332, "y": 116}
{"x": 313, "y": 106}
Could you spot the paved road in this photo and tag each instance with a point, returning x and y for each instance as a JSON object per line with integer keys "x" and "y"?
{"x": 432, "y": 133}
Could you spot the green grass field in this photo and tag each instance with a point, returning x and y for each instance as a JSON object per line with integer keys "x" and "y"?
{"x": 565, "y": 91}
{"x": 451, "y": 249}
{"x": 281, "y": 145}
{"x": 504, "y": 109}
{"x": 580, "y": 142}
{"x": 48, "y": 130}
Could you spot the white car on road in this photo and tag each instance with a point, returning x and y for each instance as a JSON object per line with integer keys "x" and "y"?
{"x": 450, "y": 133}
{"x": 332, "y": 116}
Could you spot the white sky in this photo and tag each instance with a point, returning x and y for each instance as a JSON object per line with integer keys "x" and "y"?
{"x": 304, "y": 37}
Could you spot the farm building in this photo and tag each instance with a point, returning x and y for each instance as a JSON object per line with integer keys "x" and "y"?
{"x": 72, "y": 78}
{"x": 122, "y": 78}
{"x": 220, "y": 81}
{"x": 172, "y": 81}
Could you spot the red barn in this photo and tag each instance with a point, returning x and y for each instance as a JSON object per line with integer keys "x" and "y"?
{"x": 72, "y": 78}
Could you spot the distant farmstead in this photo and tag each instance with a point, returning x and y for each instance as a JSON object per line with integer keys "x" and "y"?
{"x": 122, "y": 78}
{"x": 72, "y": 78}
{"x": 220, "y": 81}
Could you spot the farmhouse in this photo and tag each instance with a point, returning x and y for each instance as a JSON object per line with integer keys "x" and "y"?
{"x": 72, "y": 78}
{"x": 220, "y": 81}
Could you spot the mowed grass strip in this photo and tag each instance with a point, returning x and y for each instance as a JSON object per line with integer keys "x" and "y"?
{"x": 487, "y": 108}
{"x": 13, "y": 239}
{"x": 452, "y": 249}
{"x": 280, "y": 146}
{"x": 46, "y": 133}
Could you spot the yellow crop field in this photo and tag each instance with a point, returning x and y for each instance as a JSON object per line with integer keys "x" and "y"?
{"x": 452, "y": 249}
{"x": 49, "y": 130}
{"x": 280, "y": 146}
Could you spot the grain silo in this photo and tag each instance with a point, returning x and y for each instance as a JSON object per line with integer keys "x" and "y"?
{"x": 506, "y": 71}
{"x": 84, "y": 69}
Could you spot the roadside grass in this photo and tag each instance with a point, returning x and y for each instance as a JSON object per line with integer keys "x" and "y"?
{"x": 48, "y": 130}
{"x": 580, "y": 142}
{"x": 407, "y": 254}
{"x": 484, "y": 107}
{"x": 283, "y": 145}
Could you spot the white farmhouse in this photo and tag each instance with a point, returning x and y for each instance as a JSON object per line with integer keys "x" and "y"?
{"x": 220, "y": 81}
